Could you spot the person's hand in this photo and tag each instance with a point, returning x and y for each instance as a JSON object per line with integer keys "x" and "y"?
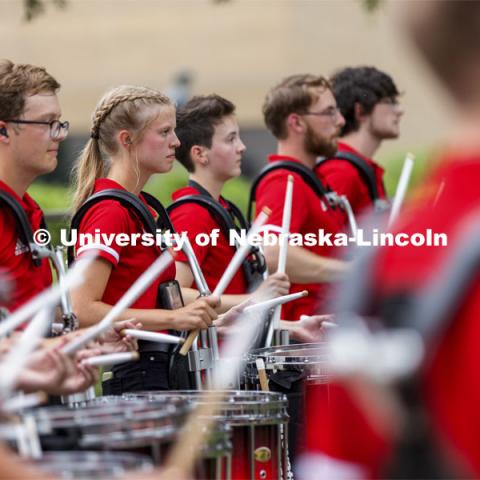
{"x": 310, "y": 329}
{"x": 45, "y": 370}
{"x": 225, "y": 321}
{"x": 197, "y": 315}
{"x": 111, "y": 341}
{"x": 54, "y": 372}
{"x": 276, "y": 285}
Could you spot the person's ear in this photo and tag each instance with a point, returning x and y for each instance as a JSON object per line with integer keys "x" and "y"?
{"x": 295, "y": 123}
{"x": 125, "y": 139}
{"x": 199, "y": 155}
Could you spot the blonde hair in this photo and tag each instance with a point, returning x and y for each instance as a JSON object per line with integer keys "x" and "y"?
{"x": 120, "y": 108}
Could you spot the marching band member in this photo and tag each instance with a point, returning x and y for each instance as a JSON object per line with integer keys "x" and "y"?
{"x": 30, "y": 133}
{"x": 302, "y": 114}
{"x": 132, "y": 138}
{"x": 211, "y": 150}
{"x": 368, "y": 101}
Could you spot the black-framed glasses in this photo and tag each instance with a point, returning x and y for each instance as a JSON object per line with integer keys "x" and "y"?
{"x": 57, "y": 128}
{"x": 331, "y": 112}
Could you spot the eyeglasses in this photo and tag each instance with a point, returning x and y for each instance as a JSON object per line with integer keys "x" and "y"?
{"x": 331, "y": 112}
{"x": 57, "y": 129}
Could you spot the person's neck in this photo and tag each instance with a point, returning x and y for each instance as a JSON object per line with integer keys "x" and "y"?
{"x": 363, "y": 142}
{"x": 290, "y": 149}
{"x": 18, "y": 181}
{"x": 212, "y": 185}
{"x": 125, "y": 174}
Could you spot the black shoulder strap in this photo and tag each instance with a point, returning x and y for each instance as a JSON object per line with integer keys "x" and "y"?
{"x": 126, "y": 199}
{"x": 366, "y": 172}
{"x": 226, "y": 220}
{"x": 214, "y": 208}
{"x": 163, "y": 221}
{"x": 307, "y": 175}
{"x": 23, "y": 225}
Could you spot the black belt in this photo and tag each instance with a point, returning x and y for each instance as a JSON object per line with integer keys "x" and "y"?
{"x": 149, "y": 346}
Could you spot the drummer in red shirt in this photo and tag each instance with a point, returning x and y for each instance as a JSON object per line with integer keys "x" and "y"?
{"x": 302, "y": 114}
{"x": 132, "y": 137}
{"x": 30, "y": 133}
{"x": 368, "y": 100}
{"x": 449, "y": 389}
{"x": 211, "y": 150}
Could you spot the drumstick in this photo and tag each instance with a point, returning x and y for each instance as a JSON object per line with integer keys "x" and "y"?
{"x": 262, "y": 374}
{"x": 51, "y": 296}
{"x": 111, "y": 359}
{"x": 286, "y": 218}
{"x": 140, "y": 285}
{"x": 282, "y": 253}
{"x": 401, "y": 187}
{"x": 232, "y": 268}
{"x": 151, "y": 336}
{"x": 276, "y": 302}
{"x": 183, "y": 454}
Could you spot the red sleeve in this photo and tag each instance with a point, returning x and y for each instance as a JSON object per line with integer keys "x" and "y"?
{"x": 192, "y": 219}
{"x": 271, "y": 194}
{"x": 104, "y": 221}
{"x": 342, "y": 178}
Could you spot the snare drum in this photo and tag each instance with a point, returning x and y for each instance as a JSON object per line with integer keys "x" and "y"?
{"x": 216, "y": 454}
{"x": 112, "y": 423}
{"x": 297, "y": 371}
{"x": 259, "y": 423}
{"x": 88, "y": 465}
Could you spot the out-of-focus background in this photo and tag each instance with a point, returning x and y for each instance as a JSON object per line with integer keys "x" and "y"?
{"x": 238, "y": 49}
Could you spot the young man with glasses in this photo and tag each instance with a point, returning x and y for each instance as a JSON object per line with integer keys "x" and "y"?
{"x": 30, "y": 133}
{"x": 302, "y": 114}
{"x": 368, "y": 100}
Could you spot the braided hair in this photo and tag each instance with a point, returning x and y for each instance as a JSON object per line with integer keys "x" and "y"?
{"x": 125, "y": 107}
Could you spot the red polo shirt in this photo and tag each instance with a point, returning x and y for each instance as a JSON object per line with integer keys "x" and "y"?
{"x": 15, "y": 260}
{"x": 195, "y": 219}
{"x": 129, "y": 262}
{"x": 451, "y": 382}
{"x": 309, "y": 215}
{"x": 343, "y": 178}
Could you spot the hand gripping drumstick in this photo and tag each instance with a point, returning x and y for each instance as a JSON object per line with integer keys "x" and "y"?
{"x": 141, "y": 284}
{"x": 232, "y": 268}
{"x": 151, "y": 336}
{"x": 401, "y": 187}
{"x": 111, "y": 359}
{"x": 48, "y": 297}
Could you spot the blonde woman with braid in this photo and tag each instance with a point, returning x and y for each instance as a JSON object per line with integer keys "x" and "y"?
{"x": 132, "y": 138}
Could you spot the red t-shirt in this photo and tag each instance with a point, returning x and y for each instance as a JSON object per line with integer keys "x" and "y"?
{"x": 309, "y": 214}
{"x": 15, "y": 260}
{"x": 451, "y": 383}
{"x": 343, "y": 178}
{"x": 129, "y": 262}
{"x": 195, "y": 219}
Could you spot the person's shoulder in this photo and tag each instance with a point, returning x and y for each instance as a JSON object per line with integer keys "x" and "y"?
{"x": 109, "y": 214}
